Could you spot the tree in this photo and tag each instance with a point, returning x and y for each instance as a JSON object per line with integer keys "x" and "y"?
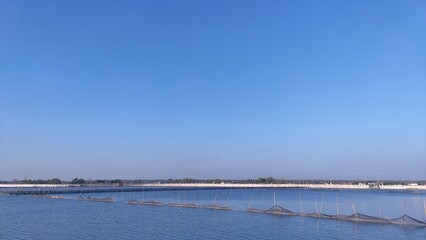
{"x": 54, "y": 181}
{"x": 78, "y": 181}
{"x": 270, "y": 180}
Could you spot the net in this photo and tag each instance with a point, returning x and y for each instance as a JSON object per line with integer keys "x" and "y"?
{"x": 358, "y": 217}
{"x": 276, "y": 209}
{"x": 407, "y": 220}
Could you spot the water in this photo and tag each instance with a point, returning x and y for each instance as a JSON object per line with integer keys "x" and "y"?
{"x": 25, "y": 217}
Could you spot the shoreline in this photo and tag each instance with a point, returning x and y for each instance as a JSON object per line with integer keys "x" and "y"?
{"x": 228, "y": 185}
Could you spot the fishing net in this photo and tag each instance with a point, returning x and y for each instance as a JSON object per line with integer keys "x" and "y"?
{"x": 320, "y": 215}
{"x": 217, "y": 207}
{"x": 358, "y": 217}
{"x": 407, "y": 220}
{"x": 280, "y": 210}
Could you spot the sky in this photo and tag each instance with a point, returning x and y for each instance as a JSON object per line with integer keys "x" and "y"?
{"x": 213, "y": 89}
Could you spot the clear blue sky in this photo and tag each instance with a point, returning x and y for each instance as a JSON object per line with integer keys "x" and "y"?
{"x": 213, "y": 89}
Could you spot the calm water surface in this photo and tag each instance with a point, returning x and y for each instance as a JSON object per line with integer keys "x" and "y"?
{"x": 25, "y": 217}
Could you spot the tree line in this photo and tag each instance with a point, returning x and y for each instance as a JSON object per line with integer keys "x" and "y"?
{"x": 261, "y": 180}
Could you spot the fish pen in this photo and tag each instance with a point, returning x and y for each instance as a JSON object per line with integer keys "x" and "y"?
{"x": 79, "y": 198}
{"x": 149, "y": 203}
{"x": 96, "y": 199}
{"x": 358, "y": 217}
{"x": 355, "y": 217}
{"x": 93, "y": 189}
{"x": 217, "y": 207}
{"x": 276, "y": 209}
{"x": 407, "y": 220}
{"x": 185, "y": 204}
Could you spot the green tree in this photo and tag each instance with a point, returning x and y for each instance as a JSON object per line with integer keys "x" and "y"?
{"x": 78, "y": 181}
